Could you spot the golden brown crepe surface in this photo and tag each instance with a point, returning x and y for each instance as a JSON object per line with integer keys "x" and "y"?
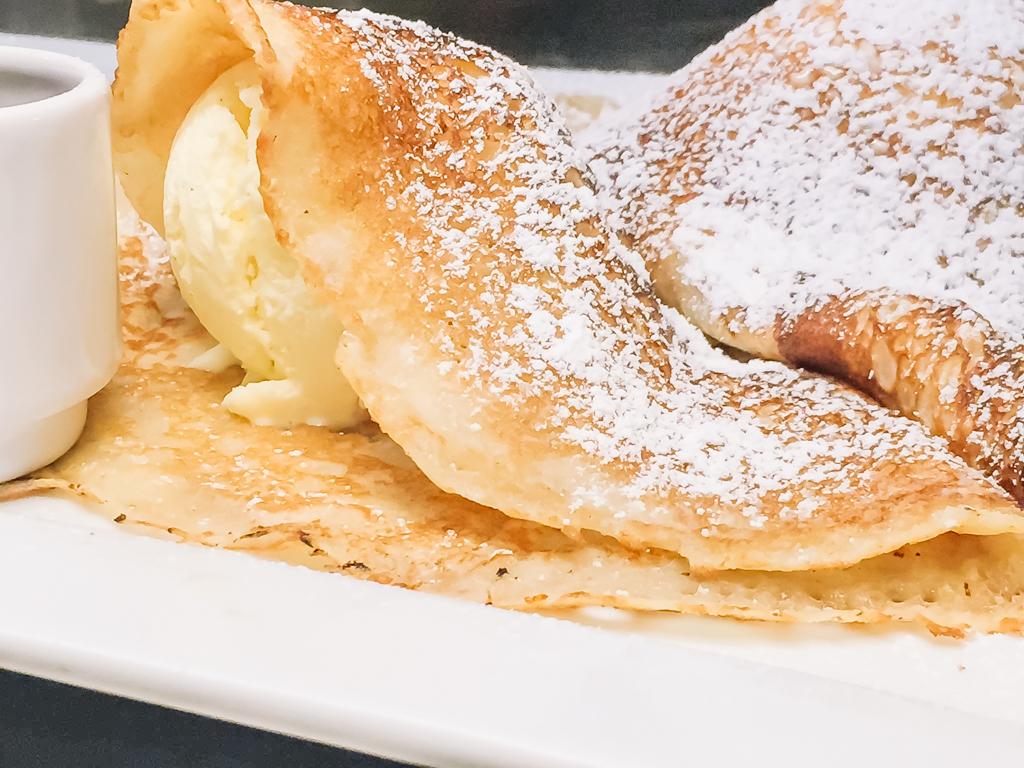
{"x": 495, "y": 329}
{"x": 839, "y": 185}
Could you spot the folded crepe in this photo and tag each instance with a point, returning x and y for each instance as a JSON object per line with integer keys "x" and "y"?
{"x": 841, "y": 186}
{"x": 493, "y": 327}
{"x": 162, "y": 451}
{"x": 161, "y": 455}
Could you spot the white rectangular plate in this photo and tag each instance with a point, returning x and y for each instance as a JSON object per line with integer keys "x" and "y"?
{"x": 438, "y": 681}
{"x": 449, "y": 683}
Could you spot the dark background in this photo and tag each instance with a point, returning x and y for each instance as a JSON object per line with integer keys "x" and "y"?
{"x": 595, "y": 34}
{"x": 46, "y": 725}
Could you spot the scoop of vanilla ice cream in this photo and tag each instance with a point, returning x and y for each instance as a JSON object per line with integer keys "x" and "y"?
{"x": 245, "y": 288}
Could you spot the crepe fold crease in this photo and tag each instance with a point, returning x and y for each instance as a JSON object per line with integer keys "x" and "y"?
{"x": 839, "y": 185}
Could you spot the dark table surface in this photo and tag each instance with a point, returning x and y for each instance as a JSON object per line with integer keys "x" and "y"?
{"x": 49, "y": 725}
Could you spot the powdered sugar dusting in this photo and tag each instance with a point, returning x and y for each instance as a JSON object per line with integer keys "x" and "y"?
{"x": 854, "y": 146}
{"x": 562, "y": 325}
